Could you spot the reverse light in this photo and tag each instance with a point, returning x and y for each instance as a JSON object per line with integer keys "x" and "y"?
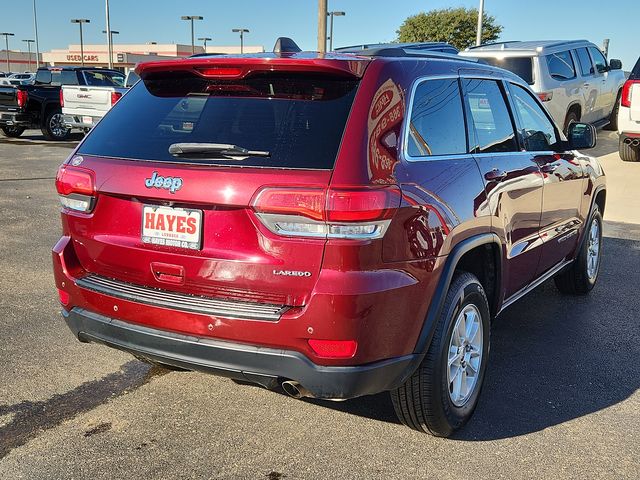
{"x": 22, "y": 97}
{"x": 358, "y": 213}
{"x": 627, "y": 91}
{"x": 115, "y": 96}
{"x": 545, "y": 96}
{"x": 76, "y": 188}
{"x": 333, "y": 348}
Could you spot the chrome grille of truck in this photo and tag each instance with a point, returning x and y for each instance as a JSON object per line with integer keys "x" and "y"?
{"x": 182, "y": 301}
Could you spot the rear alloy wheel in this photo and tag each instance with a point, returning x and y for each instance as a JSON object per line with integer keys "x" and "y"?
{"x": 442, "y": 394}
{"x": 613, "y": 118}
{"x": 581, "y": 277}
{"x": 628, "y": 153}
{"x": 12, "y": 132}
{"x": 54, "y": 127}
{"x": 572, "y": 117}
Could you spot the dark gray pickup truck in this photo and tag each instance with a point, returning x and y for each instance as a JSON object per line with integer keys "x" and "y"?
{"x": 38, "y": 105}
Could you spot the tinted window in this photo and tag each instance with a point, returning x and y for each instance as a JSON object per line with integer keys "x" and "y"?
{"x": 490, "y": 115}
{"x": 538, "y": 133}
{"x": 298, "y": 119}
{"x": 598, "y": 59}
{"x": 437, "y": 121}
{"x": 635, "y": 73}
{"x": 561, "y": 66}
{"x": 69, "y": 77}
{"x": 132, "y": 78}
{"x": 43, "y": 76}
{"x": 101, "y": 78}
{"x": 521, "y": 66}
{"x": 586, "y": 68}
{"x": 56, "y": 77}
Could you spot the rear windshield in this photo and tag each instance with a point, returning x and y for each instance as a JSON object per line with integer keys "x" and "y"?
{"x": 521, "y": 66}
{"x": 99, "y": 78}
{"x": 298, "y": 119}
{"x": 635, "y": 73}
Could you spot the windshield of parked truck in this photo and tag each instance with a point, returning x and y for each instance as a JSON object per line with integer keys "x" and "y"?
{"x": 101, "y": 78}
{"x": 521, "y": 66}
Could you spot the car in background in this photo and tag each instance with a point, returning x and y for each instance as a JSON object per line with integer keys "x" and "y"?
{"x": 84, "y": 105}
{"x": 25, "y": 78}
{"x": 572, "y": 78}
{"x": 409, "y": 48}
{"x": 629, "y": 117}
{"x": 38, "y": 105}
{"x": 339, "y": 225}
{"x": 131, "y": 79}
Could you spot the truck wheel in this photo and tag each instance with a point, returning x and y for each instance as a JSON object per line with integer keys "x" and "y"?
{"x": 572, "y": 117}
{"x": 581, "y": 277}
{"x": 613, "y": 118}
{"x": 54, "y": 127}
{"x": 12, "y": 132}
{"x": 443, "y": 392}
{"x": 628, "y": 153}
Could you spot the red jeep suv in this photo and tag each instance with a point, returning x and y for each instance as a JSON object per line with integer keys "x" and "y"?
{"x": 338, "y": 225}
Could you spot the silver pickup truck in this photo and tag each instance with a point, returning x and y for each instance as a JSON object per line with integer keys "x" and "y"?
{"x": 84, "y": 105}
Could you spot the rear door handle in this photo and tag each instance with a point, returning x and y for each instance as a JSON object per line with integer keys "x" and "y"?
{"x": 495, "y": 175}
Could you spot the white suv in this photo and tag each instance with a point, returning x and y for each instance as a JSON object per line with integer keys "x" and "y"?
{"x": 572, "y": 78}
{"x": 629, "y": 117}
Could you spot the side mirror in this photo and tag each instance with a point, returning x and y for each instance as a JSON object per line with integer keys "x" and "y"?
{"x": 615, "y": 64}
{"x": 582, "y": 136}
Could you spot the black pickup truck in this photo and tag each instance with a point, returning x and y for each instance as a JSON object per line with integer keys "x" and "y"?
{"x": 38, "y": 105}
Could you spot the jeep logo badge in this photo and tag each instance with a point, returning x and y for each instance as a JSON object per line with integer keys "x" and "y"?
{"x": 173, "y": 184}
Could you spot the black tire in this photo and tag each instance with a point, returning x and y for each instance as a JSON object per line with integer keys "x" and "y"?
{"x": 52, "y": 129}
{"x": 572, "y": 117}
{"x": 12, "y": 132}
{"x": 628, "y": 153}
{"x": 613, "y": 118}
{"x": 424, "y": 402}
{"x": 576, "y": 279}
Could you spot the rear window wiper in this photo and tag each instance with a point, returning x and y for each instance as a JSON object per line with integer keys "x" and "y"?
{"x": 214, "y": 150}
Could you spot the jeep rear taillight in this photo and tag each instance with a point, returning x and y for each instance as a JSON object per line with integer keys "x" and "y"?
{"x": 627, "y": 89}
{"x": 357, "y": 213}
{"x": 115, "y": 96}
{"x": 22, "y": 98}
{"x": 61, "y": 98}
{"x": 76, "y": 188}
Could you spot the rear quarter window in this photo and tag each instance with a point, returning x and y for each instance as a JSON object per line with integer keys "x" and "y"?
{"x": 298, "y": 118}
{"x": 561, "y": 66}
{"x": 635, "y": 73}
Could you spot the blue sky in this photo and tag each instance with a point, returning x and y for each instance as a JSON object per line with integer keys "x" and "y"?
{"x": 140, "y": 21}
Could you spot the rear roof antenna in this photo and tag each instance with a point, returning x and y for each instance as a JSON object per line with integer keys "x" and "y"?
{"x": 286, "y": 45}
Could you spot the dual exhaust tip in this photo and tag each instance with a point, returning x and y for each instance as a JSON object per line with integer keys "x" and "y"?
{"x": 634, "y": 142}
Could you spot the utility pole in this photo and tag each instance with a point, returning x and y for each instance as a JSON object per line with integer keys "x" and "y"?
{"x": 110, "y": 42}
{"x": 193, "y": 40}
{"x": 322, "y": 26}
{"x": 331, "y": 15}
{"x": 35, "y": 28}
{"x": 241, "y": 31}
{"x": 80, "y": 21}
{"x": 480, "y": 19}
{"x": 6, "y": 39}
{"x": 29, "y": 42}
{"x": 205, "y": 40}
{"x": 109, "y": 36}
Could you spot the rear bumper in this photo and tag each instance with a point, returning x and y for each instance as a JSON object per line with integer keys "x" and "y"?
{"x": 266, "y": 366}
{"x": 15, "y": 119}
{"x": 78, "y": 121}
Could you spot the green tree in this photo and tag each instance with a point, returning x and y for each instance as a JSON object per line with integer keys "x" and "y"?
{"x": 457, "y": 26}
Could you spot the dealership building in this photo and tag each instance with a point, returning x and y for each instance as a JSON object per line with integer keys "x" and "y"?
{"x": 125, "y": 56}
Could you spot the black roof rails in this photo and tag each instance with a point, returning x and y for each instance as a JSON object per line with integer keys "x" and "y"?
{"x": 493, "y": 43}
{"x": 421, "y": 46}
{"x": 286, "y": 45}
{"x": 411, "y": 53}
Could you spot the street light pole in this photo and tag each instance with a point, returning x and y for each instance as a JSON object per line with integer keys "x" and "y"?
{"x": 333, "y": 14}
{"x": 480, "y": 19}
{"x": 35, "y": 28}
{"x": 241, "y": 31}
{"x": 193, "y": 40}
{"x": 6, "y": 39}
{"x": 80, "y": 21}
{"x": 204, "y": 39}
{"x": 109, "y": 36}
{"x": 110, "y": 44}
{"x": 29, "y": 42}
{"x": 322, "y": 26}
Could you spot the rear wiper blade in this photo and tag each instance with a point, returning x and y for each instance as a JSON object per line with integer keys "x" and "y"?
{"x": 214, "y": 150}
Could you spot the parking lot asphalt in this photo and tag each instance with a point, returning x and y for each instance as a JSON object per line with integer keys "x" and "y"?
{"x": 561, "y": 399}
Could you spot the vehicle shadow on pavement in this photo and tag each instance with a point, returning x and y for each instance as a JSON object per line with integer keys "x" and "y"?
{"x": 554, "y": 358}
{"x": 607, "y": 143}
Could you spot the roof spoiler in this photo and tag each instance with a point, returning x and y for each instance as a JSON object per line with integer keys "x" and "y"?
{"x": 286, "y": 45}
